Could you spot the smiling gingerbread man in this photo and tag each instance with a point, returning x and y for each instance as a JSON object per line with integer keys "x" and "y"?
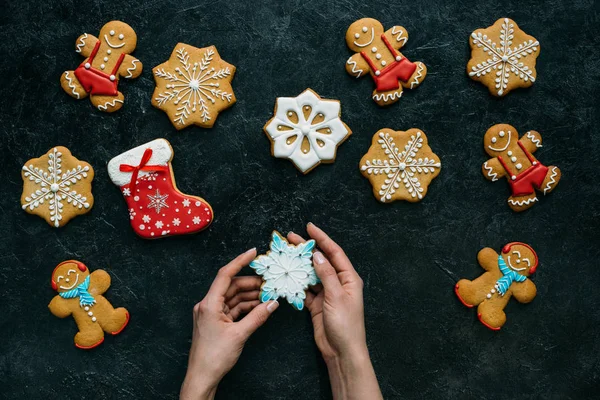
{"x": 108, "y": 58}
{"x": 80, "y": 295}
{"x": 377, "y": 53}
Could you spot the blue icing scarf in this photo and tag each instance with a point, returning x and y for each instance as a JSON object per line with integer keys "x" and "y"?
{"x": 509, "y": 276}
{"x": 85, "y": 298}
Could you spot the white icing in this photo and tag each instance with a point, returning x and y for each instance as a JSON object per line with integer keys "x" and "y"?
{"x": 518, "y": 262}
{"x": 102, "y": 66}
{"x": 387, "y": 96}
{"x": 87, "y": 65}
{"x": 501, "y": 134}
{"x": 121, "y": 36}
{"x": 378, "y": 56}
{"x": 490, "y": 172}
{"x": 519, "y": 165}
{"x": 522, "y": 202}
{"x": 105, "y": 59}
{"x": 534, "y": 140}
{"x": 510, "y": 153}
{"x": 81, "y": 44}
{"x": 74, "y": 284}
{"x": 322, "y": 145}
{"x": 397, "y": 31}
{"x": 132, "y": 68}
{"x": 112, "y": 33}
{"x": 158, "y": 201}
{"x": 70, "y": 83}
{"x": 117, "y": 46}
{"x": 161, "y": 155}
{"x": 374, "y": 50}
{"x": 109, "y": 51}
{"x": 416, "y": 80}
{"x": 553, "y": 174}
{"x": 369, "y": 42}
{"x": 513, "y": 159}
{"x": 104, "y": 107}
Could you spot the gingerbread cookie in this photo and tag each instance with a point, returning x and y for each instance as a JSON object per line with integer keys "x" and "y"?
{"x": 80, "y": 295}
{"x": 193, "y": 86}
{"x": 108, "y": 59}
{"x": 400, "y": 165}
{"x": 306, "y": 129}
{"x": 287, "y": 271}
{"x": 506, "y": 276}
{"x": 156, "y": 207}
{"x": 57, "y": 186}
{"x": 513, "y": 158}
{"x": 377, "y": 53}
{"x": 503, "y": 57}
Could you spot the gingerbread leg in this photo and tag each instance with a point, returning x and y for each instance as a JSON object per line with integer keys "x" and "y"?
{"x": 70, "y": 84}
{"x": 551, "y": 180}
{"x": 108, "y": 103}
{"x": 469, "y": 293}
{"x": 387, "y": 98}
{"x": 491, "y": 312}
{"x": 417, "y": 77}
{"x": 89, "y": 337}
{"x": 115, "y": 321}
{"x": 522, "y": 203}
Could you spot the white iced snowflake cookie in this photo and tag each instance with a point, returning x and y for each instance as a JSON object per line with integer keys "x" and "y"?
{"x": 400, "y": 165}
{"x": 193, "y": 86}
{"x": 287, "y": 271}
{"x": 306, "y": 129}
{"x": 503, "y": 57}
{"x": 57, "y": 186}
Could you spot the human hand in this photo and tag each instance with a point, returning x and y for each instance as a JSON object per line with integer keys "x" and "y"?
{"x": 218, "y": 340}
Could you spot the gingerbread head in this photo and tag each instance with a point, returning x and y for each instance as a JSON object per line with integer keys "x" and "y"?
{"x": 119, "y": 38}
{"x": 363, "y": 33}
{"x": 520, "y": 258}
{"x": 68, "y": 275}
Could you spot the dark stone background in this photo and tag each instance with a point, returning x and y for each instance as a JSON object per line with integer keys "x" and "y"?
{"x": 423, "y": 342}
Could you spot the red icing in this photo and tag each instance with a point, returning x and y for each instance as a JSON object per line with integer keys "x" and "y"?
{"x": 90, "y": 347}
{"x": 123, "y": 327}
{"x": 526, "y": 181}
{"x": 95, "y": 81}
{"x": 506, "y": 250}
{"x": 396, "y": 70}
{"x": 487, "y": 325}
{"x": 460, "y": 298}
{"x": 79, "y": 264}
{"x": 157, "y": 208}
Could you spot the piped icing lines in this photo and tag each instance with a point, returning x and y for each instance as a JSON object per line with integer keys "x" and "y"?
{"x": 385, "y": 97}
{"x": 399, "y": 38}
{"x": 497, "y": 62}
{"x": 400, "y": 165}
{"x": 416, "y": 81}
{"x": 490, "y": 172}
{"x": 131, "y": 69}
{"x": 70, "y": 83}
{"x": 306, "y": 129}
{"x": 287, "y": 271}
{"x": 355, "y": 69}
{"x": 552, "y": 181}
{"x": 533, "y": 139}
{"x": 521, "y": 203}
{"x": 105, "y": 106}
{"x": 193, "y": 86}
{"x": 81, "y": 43}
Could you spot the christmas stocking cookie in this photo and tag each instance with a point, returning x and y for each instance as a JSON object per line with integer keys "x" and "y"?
{"x": 513, "y": 158}
{"x": 107, "y": 59}
{"x": 156, "y": 207}
{"x": 506, "y": 276}
{"x": 80, "y": 295}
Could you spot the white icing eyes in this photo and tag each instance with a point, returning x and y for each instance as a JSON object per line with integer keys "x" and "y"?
{"x": 364, "y": 29}
{"x": 526, "y": 260}
{"x": 121, "y": 36}
{"x": 501, "y": 134}
{"x": 112, "y": 33}
{"x": 356, "y": 35}
{"x": 59, "y": 278}
{"x": 70, "y": 271}
{"x": 494, "y": 139}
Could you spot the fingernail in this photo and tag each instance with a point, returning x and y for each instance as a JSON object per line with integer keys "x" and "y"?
{"x": 251, "y": 250}
{"x": 290, "y": 233}
{"x": 318, "y": 257}
{"x": 272, "y": 306}
{"x": 310, "y": 223}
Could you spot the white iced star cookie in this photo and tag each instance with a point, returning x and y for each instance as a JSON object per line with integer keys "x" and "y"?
{"x": 306, "y": 129}
{"x": 287, "y": 271}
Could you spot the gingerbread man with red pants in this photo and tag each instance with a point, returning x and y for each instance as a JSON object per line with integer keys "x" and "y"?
{"x": 377, "y": 53}
{"x": 506, "y": 276}
{"x": 513, "y": 158}
{"x": 80, "y": 295}
{"x": 107, "y": 59}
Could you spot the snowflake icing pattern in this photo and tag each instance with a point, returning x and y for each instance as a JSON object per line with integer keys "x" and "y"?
{"x": 402, "y": 168}
{"x": 158, "y": 201}
{"x": 502, "y": 58}
{"x": 287, "y": 271}
{"x": 193, "y": 86}
{"x": 54, "y": 187}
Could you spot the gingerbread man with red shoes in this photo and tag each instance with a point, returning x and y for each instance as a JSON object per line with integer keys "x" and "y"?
{"x": 506, "y": 276}
{"x": 377, "y": 53}
{"x": 513, "y": 158}
{"x": 80, "y": 295}
{"x": 108, "y": 59}
{"x": 156, "y": 207}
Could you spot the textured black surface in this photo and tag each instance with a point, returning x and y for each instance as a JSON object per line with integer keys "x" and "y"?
{"x": 423, "y": 342}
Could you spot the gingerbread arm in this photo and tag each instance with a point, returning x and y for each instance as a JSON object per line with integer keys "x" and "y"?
{"x": 58, "y": 306}
{"x": 488, "y": 259}
{"x": 85, "y": 44}
{"x": 131, "y": 67}
{"x": 99, "y": 282}
{"x": 492, "y": 169}
{"x": 532, "y": 141}
{"x": 357, "y": 66}
{"x": 524, "y": 291}
{"x": 397, "y": 36}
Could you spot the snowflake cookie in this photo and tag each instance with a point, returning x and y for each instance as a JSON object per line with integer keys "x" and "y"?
{"x": 503, "y": 57}
{"x": 287, "y": 271}
{"x": 57, "y": 186}
{"x": 193, "y": 86}
{"x": 400, "y": 165}
{"x": 306, "y": 129}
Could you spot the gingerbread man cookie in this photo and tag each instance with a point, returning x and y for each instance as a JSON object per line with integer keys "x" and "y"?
{"x": 108, "y": 58}
{"x": 503, "y": 57}
{"x": 80, "y": 295}
{"x": 513, "y": 158}
{"x": 506, "y": 276}
{"x": 377, "y": 53}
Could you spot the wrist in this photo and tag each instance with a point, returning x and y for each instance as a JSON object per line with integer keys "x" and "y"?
{"x": 198, "y": 388}
{"x": 357, "y": 355}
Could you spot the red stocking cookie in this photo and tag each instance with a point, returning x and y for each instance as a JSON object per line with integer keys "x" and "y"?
{"x": 156, "y": 207}
{"x": 506, "y": 276}
{"x": 108, "y": 58}
{"x": 513, "y": 158}
{"x": 80, "y": 295}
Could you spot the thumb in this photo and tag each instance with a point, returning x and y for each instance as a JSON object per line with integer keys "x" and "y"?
{"x": 257, "y": 317}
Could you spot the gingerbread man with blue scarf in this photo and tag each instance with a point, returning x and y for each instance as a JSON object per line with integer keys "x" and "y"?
{"x": 80, "y": 295}
{"x": 507, "y": 275}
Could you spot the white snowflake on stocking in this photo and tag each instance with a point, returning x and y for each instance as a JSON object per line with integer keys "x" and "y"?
{"x": 158, "y": 201}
